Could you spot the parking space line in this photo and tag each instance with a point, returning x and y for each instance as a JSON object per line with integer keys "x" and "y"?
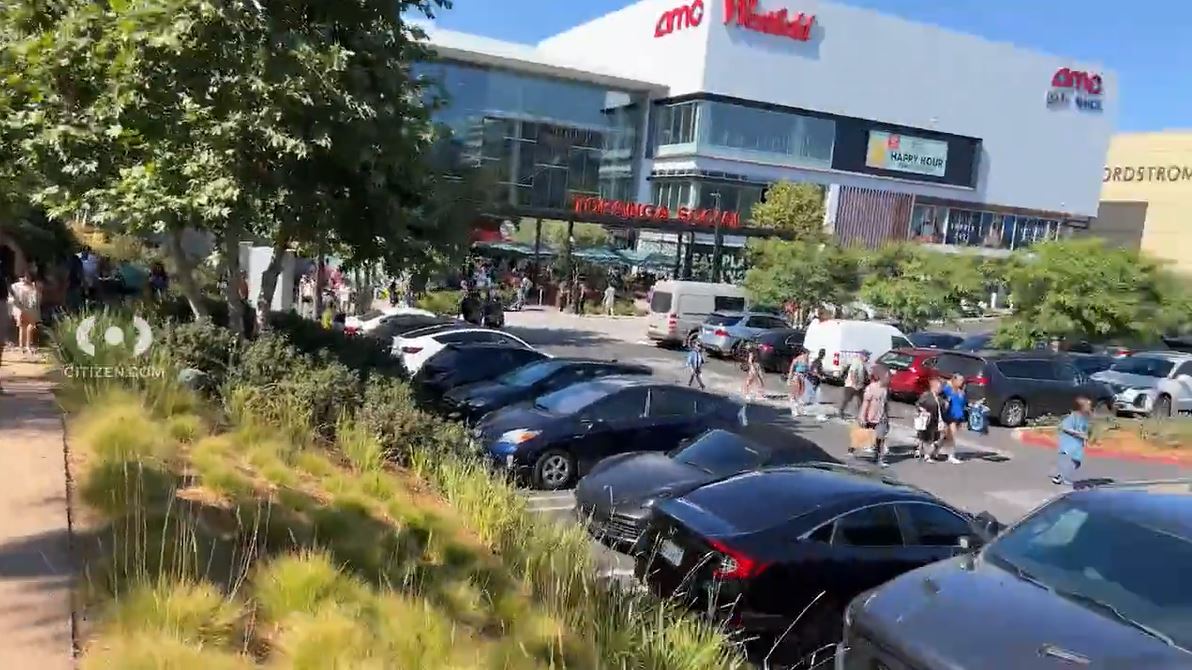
{"x": 551, "y": 508}
{"x": 565, "y": 495}
{"x": 615, "y": 572}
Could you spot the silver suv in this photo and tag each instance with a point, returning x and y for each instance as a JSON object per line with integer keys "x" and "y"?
{"x": 1152, "y": 383}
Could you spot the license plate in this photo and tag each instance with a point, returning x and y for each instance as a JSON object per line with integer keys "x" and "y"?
{"x": 671, "y": 552}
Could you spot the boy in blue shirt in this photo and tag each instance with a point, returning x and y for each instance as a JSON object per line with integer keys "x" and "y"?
{"x": 1073, "y": 436}
{"x": 695, "y": 363}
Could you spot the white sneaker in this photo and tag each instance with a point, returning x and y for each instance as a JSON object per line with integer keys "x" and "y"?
{"x": 953, "y": 459}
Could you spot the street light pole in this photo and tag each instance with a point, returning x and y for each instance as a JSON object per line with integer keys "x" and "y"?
{"x": 717, "y": 241}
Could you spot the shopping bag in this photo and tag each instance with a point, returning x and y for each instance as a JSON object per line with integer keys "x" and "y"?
{"x": 922, "y": 420}
{"x": 861, "y": 438}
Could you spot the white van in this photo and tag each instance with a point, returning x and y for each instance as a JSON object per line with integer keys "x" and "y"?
{"x": 844, "y": 340}
{"x": 677, "y": 308}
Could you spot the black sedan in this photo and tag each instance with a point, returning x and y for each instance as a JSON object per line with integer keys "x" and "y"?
{"x": 1095, "y": 579}
{"x": 553, "y": 440}
{"x": 779, "y": 553}
{"x": 614, "y": 499}
{"x": 460, "y": 364}
{"x": 777, "y": 348}
{"x": 472, "y": 401}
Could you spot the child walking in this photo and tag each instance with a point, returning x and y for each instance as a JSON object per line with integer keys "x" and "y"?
{"x": 1074, "y": 435}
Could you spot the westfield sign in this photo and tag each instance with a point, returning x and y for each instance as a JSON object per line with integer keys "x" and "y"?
{"x": 744, "y": 13}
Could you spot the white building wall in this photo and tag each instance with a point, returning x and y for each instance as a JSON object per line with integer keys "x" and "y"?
{"x": 867, "y": 65}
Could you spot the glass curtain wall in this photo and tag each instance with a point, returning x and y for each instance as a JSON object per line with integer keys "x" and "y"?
{"x": 735, "y": 131}
{"x": 979, "y": 228}
{"x": 542, "y": 140}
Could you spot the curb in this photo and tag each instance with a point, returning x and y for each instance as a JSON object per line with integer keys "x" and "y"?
{"x": 1033, "y": 438}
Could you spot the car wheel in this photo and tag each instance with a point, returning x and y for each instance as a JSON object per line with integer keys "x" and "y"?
{"x": 554, "y": 470}
{"x": 692, "y": 338}
{"x": 1162, "y": 408}
{"x": 1013, "y": 413}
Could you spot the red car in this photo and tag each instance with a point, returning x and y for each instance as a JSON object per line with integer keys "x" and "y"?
{"x": 909, "y": 370}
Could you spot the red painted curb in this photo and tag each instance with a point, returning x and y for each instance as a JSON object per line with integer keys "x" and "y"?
{"x": 1034, "y": 438}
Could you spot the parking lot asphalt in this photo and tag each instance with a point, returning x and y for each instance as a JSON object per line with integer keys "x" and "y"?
{"x": 997, "y": 474}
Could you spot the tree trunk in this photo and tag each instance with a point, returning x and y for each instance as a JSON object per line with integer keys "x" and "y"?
{"x": 320, "y": 267}
{"x": 231, "y": 252}
{"x": 184, "y": 271}
{"x": 271, "y": 274}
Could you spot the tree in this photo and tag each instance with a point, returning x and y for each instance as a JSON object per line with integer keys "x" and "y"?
{"x": 797, "y": 209}
{"x": 1081, "y": 289}
{"x": 808, "y": 274}
{"x": 916, "y": 286}
{"x": 290, "y": 120}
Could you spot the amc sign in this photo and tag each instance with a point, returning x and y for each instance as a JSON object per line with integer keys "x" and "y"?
{"x": 1074, "y": 88}
{"x": 683, "y": 16}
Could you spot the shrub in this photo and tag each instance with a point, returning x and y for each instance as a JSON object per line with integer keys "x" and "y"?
{"x": 389, "y": 413}
{"x": 155, "y": 652}
{"x": 196, "y": 613}
{"x": 363, "y": 354}
{"x": 445, "y": 303}
{"x": 202, "y": 345}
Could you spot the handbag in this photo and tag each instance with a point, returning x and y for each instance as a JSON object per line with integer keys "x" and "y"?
{"x": 861, "y": 437}
{"x": 921, "y": 420}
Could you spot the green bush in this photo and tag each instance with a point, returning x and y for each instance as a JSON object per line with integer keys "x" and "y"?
{"x": 445, "y": 303}
{"x": 363, "y": 354}
{"x": 389, "y": 413}
{"x": 202, "y": 345}
{"x": 174, "y": 308}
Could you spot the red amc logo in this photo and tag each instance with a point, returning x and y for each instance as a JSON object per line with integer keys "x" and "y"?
{"x": 683, "y": 16}
{"x": 1088, "y": 82}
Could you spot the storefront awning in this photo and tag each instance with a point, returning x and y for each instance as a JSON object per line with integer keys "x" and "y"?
{"x": 514, "y": 248}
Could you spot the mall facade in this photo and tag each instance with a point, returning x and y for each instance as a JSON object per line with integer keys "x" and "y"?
{"x": 915, "y": 132}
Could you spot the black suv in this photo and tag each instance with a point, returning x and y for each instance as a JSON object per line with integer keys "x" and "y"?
{"x": 1017, "y": 386}
{"x": 1095, "y": 579}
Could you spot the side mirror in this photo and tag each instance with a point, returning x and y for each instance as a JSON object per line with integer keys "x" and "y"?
{"x": 988, "y": 524}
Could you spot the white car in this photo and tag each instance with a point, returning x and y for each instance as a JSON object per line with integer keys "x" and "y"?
{"x": 417, "y": 346}
{"x": 369, "y": 321}
{"x": 1152, "y": 383}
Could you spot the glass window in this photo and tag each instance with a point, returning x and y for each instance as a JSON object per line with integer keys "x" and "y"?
{"x": 669, "y": 402}
{"x": 721, "y": 453}
{"x": 1185, "y": 369}
{"x": 823, "y": 533}
{"x": 935, "y": 526}
{"x": 870, "y": 527}
{"x": 625, "y": 404}
{"x": 1075, "y": 548}
{"x": 531, "y": 374}
{"x": 1027, "y": 369}
{"x": 723, "y": 303}
{"x": 794, "y": 138}
{"x": 675, "y": 124}
{"x": 951, "y": 364}
{"x": 660, "y": 302}
{"x": 895, "y": 360}
{"x": 672, "y": 194}
{"x": 722, "y": 320}
{"x": 900, "y": 342}
{"x": 1147, "y": 366}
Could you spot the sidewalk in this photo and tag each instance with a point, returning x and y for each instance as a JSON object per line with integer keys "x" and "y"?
{"x": 36, "y": 571}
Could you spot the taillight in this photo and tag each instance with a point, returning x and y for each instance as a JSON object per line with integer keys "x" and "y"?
{"x": 980, "y": 380}
{"x": 765, "y": 347}
{"x": 720, "y": 332}
{"x": 734, "y": 564}
{"x": 410, "y": 350}
{"x": 351, "y": 330}
{"x": 836, "y": 359}
{"x": 672, "y": 322}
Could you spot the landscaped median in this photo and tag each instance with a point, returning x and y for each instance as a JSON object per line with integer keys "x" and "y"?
{"x": 1154, "y": 440}
{"x": 289, "y": 510}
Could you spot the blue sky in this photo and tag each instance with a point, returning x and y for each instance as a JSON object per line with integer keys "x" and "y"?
{"x": 1147, "y": 42}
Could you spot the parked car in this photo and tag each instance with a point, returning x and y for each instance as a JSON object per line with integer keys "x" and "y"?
{"x": 614, "y": 499}
{"x": 416, "y": 347}
{"x": 975, "y": 342}
{"x": 932, "y": 340}
{"x": 910, "y": 370}
{"x": 559, "y": 437}
{"x": 1151, "y": 384}
{"x": 458, "y": 364}
{"x": 472, "y": 401}
{"x": 1091, "y": 364}
{"x": 758, "y": 549}
{"x": 1020, "y": 385}
{"x": 1095, "y": 579}
{"x": 723, "y": 332}
{"x": 370, "y": 320}
{"x": 844, "y": 340}
{"x": 400, "y": 324}
{"x": 677, "y": 308}
{"x": 777, "y": 348}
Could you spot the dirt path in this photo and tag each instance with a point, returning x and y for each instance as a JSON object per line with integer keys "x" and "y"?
{"x": 36, "y": 571}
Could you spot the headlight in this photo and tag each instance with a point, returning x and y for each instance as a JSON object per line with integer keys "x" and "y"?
{"x": 518, "y": 436}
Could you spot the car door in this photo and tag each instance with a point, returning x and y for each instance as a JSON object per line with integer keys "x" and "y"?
{"x": 672, "y": 416}
{"x": 608, "y": 427}
{"x": 1067, "y": 382}
{"x": 1182, "y": 381}
{"x": 1033, "y": 381}
{"x": 868, "y": 549}
{"x": 934, "y": 532}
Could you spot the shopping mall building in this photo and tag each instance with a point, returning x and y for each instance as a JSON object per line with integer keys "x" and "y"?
{"x": 681, "y": 112}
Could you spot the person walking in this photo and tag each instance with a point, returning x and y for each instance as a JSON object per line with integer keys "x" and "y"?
{"x": 815, "y": 377}
{"x": 581, "y": 296}
{"x": 856, "y": 378}
{"x": 957, "y": 403}
{"x": 929, "y": 420}
{"x": 796, "y": 380}
{"x": 754, "y": 381}
{"x": 1073, "y": 436}
{"x": 24, "y": 297}
{"x": 874, "y": 413}
{"x": 392, "y": 290}
{"x": 159, "y": 281}
{"x": 5, "y": 326}
{"x": 610, "y": 299}
{"x": 695, "y": 363}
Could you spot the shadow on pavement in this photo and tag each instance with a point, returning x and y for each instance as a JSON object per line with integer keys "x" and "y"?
{"x": 761, "y": 429}
{"x": 561, "y": 337}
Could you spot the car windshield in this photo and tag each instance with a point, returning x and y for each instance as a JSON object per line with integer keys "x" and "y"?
{"x": 896, "y": 360}
{"x": 721, "y": 453}
{"x": 721, "y": 320}
{"x": 660, "y": 302}
{"x": 528, "y": 375}
{"x": 572, "y": 399}
{"x": 1076, "y": 551}
{"x": 1147, "y": 366}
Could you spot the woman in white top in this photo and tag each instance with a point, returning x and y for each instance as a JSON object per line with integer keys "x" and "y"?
{"x": 25, "y": 298}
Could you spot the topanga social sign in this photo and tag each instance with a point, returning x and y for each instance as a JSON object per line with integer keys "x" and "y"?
{"x": 903, "y": 153}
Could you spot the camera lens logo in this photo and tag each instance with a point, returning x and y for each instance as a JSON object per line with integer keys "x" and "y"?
{"x": 114, "y": 336}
